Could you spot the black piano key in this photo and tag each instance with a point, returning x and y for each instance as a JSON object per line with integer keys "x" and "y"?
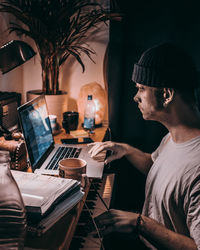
{"x": 90, "y": 204}
{"x": 92, "y": 195}
{"x": 96, "y": 186}
{"x": 84, "y": 219}
{"x": 77, "y": 243}
{"x": 97, "y": 181}
{"x": 80, "y": 231}
{"x": 85, "y": 213}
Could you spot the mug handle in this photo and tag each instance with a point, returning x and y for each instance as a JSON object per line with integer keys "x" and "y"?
{"x": 84, "y": 180}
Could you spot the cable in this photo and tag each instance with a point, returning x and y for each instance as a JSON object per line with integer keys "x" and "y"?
{"x": 96, "y": 227}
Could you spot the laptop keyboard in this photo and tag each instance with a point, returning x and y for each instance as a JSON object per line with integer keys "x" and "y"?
{"x": 61, "y": 153}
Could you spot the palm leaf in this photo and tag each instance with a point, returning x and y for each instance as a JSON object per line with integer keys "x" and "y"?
{"x": 78, "y": 58}
{"x": 59, "y": 28}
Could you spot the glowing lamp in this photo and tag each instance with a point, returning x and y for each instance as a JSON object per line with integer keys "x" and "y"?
{"x": 99, "y": 98}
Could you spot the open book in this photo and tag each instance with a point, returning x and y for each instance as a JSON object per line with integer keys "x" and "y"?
{"x": 41, "y": 193}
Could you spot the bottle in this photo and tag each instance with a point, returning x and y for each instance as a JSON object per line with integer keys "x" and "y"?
{"x": 12, "y": 211}
{"x": 89, "y": 115}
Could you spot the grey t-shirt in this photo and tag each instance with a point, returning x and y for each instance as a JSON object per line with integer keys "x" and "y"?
{"x": 172, "y": 194}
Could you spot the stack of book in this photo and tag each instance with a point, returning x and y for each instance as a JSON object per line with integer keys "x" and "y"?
{"x": 46, "y": 198}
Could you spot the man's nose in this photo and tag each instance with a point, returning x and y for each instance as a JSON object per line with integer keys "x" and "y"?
{"x": 136, "y": 98}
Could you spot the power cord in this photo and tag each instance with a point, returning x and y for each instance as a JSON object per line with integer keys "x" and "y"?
{"x": 96, "y": 227}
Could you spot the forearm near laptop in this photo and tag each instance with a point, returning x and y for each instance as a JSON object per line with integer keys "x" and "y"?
{"x": 142, "y": 161}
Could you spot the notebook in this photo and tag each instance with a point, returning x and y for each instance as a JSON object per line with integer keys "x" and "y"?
{"x": 43, "y": 153}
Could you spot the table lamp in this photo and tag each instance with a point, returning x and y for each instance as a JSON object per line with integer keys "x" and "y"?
{"x": 12, "y": 55}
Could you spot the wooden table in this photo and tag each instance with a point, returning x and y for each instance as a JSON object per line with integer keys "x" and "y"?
{"x": 60, "y": 235}
{"x": 98, "y": 135}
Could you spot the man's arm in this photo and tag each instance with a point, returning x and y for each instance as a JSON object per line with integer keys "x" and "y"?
{"x": 163, "y": 238}
{"x": 155, "y": 233}
{"x": 142, "y": 161}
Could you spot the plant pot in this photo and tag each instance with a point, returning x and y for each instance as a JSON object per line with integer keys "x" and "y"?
{"x": 56, "y": 104}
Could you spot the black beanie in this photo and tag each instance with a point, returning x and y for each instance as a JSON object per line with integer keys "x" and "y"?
{"x": 166, "y": 65}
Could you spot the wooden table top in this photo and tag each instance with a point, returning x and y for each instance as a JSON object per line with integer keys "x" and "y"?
{"x": 98, "y": 135}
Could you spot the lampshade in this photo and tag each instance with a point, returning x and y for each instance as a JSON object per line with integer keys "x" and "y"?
{"x": 13, "y": 54}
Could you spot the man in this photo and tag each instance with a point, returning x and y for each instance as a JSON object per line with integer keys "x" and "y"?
{"x": 166, "y": 79}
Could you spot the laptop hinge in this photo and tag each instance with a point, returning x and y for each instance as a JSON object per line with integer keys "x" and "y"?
{"x": 44, "y": 157}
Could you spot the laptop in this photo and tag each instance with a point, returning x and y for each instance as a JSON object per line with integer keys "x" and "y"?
{"x": 43, "y": 153}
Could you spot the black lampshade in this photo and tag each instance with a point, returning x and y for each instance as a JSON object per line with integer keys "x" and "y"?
{"x": 13, "y": 54}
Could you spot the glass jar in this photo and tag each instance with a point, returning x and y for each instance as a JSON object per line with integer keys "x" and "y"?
{"x": 12, "y": 211}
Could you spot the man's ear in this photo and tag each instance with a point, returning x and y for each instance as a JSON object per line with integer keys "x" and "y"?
{"x": 168, "y": 95}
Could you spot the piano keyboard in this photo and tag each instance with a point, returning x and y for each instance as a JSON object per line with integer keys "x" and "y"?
{"x": 83, "y": 240}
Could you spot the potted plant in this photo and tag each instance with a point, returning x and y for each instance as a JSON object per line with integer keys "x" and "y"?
{"x": 59, "y": 29}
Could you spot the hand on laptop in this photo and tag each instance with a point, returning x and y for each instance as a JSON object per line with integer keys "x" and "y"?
{"x": 100, "y": 156}
{"x": 118, "y": 150}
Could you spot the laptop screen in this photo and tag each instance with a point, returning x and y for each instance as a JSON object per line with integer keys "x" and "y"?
{"x": 36, "y": 128}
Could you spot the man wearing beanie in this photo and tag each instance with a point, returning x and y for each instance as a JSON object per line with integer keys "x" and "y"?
{"x": 166, "y": 79}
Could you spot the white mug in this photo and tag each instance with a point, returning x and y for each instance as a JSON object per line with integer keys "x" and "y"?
{"x": 73, "y": 168}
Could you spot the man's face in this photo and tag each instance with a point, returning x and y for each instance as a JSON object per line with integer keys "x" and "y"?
{"x": 149, "y": 102}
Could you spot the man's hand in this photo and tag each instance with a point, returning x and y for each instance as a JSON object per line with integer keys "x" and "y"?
{"x": 117, "y": 221}
{"x": 118, "y": 149}
{"x": 125, "y": 223}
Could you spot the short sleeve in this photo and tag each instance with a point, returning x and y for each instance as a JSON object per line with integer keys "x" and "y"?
{"x": 192, "y": 205}
{"x": 156, "y": 153}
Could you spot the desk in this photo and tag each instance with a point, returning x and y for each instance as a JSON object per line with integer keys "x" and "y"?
{"x": 60, "y": 235}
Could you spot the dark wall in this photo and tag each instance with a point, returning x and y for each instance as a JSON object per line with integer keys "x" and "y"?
{"x": 145, "y": 24}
